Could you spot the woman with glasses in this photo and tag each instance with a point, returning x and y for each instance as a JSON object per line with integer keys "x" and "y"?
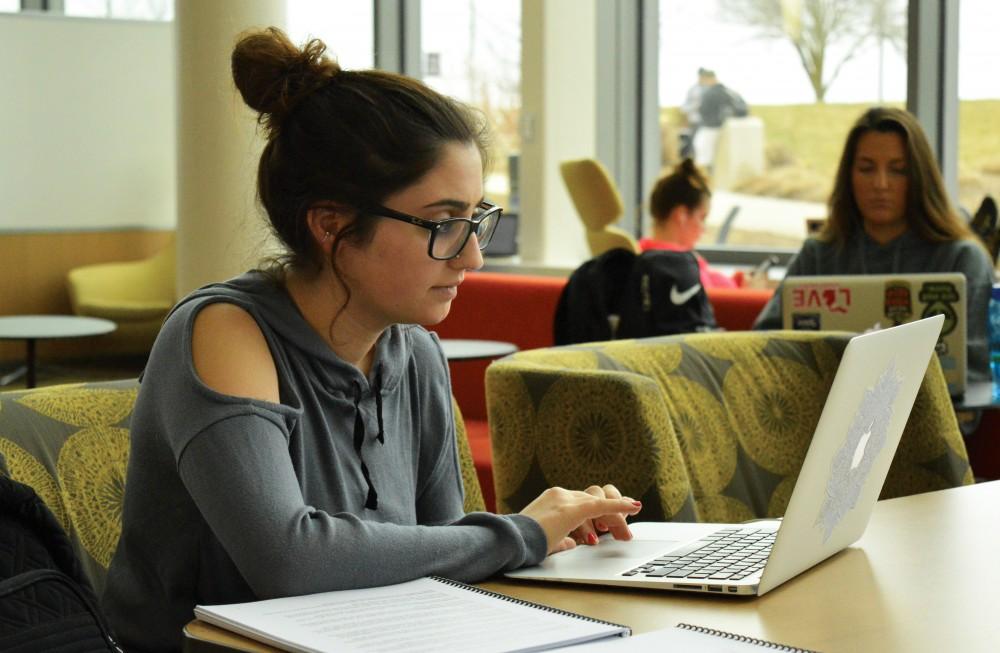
{"x": 294, "y": 430}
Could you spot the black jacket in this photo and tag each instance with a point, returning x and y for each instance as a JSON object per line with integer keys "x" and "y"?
{"x": 46, "y": 603}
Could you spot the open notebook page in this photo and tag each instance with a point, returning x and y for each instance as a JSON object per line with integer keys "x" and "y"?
{"x": 428, "y": 614}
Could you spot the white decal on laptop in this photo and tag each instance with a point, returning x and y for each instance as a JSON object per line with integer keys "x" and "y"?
{"x": 854, "y": 460}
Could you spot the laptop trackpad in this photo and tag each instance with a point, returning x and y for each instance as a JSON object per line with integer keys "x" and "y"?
{"x": 607, "y": 558}
{"x": 612, "y": 549}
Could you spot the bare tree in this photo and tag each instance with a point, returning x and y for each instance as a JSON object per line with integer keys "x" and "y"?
{"x": 814, "y": 27}
{"x": 888, "y": 25}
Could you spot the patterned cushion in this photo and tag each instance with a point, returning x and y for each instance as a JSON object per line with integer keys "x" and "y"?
{"x": 473, "y": 492}
{"x": 699, "y": 427}
{"x": 70, "y": 443}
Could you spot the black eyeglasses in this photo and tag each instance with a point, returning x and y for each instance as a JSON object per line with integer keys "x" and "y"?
{"x": 448, "y": 237}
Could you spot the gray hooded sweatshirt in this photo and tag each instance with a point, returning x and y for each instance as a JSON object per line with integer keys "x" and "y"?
{"x": 348, "y": 482}
{"x": 907, "y": 253}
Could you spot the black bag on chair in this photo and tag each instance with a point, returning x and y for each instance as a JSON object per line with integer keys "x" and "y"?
{"x": 620, "y": 294}
{"x": 664, "y": 296}
{"x": 46, "y": 603}
{"x": 588, "y": 307}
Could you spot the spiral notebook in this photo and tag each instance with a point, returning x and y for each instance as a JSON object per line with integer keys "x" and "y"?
{"x": 427, "y": 614}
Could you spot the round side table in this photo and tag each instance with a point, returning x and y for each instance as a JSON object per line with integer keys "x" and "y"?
{"x": 32, "y": 328}
{"x": 461, "y": 349}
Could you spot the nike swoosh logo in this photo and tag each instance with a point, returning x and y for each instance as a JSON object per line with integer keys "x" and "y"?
{"x": 678, "y": 298}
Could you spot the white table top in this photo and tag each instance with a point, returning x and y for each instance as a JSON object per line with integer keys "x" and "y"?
{"x": 26, "y": 327}
{"x": 457, "y": 349}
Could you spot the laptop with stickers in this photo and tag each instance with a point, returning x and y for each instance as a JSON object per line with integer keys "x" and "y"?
{"x": 837, "y": 487}
{"x": 864, "y": 302}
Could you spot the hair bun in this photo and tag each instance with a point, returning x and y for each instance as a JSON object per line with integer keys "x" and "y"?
{"x": 694, "y": 175}
{"x": 273, "y": 75}
{"x": 687, "y": 167}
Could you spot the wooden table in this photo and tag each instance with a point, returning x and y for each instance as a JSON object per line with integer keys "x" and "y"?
{"x": 32, "y": 328}
{"x": 924, "y": 577}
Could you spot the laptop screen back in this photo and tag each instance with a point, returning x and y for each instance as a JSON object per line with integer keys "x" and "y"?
{"x": 861, "y": 303}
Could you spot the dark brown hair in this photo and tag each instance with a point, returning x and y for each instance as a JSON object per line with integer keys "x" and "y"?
{"x": 929, "y": 212}
{"x": 347, "y": 137}
{"x": 686, "y": 186}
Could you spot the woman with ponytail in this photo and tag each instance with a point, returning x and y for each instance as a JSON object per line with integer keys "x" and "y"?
{"x": 679, "y": 205}
{"x": 294, "y": 431}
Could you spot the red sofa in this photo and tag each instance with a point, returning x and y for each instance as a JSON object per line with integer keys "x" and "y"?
{"x": 520, "y": 309}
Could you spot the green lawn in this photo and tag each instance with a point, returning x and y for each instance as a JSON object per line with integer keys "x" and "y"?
{"x": 978, "y": 136}
{"x": 813, "y": 134}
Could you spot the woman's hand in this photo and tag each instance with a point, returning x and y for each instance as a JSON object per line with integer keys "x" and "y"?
{"x": 569, "y": 516}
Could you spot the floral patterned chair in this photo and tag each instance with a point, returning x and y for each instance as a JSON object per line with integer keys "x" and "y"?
{"x": 71, "y": 444}
{"x": 699, "y": 427}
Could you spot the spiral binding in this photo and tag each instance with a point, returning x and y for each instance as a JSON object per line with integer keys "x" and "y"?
{"x": 774, "y": 646}
{"x": 511, "y": 599}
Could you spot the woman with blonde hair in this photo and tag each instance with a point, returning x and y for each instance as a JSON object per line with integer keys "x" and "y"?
{"x": 294, "y": 430}
{"x": 889, "y": 213}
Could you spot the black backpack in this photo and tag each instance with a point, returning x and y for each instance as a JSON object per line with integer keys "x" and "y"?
{"x": 46, "y": 603}
{"x": 590, "y": 296}
{"x": 664, "y": 296}
{"x": 623, "y": 295}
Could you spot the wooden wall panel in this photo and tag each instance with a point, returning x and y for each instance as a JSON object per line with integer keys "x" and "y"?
{"x": 33, "y": 269}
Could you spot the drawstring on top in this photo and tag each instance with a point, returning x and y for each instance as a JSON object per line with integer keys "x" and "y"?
{"x": 371, "y": 499}
{"x": 377, "y": 389}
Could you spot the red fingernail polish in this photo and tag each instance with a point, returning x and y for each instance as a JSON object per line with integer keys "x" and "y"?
{"x": 591, "y": 538}
{"x": 637, "y": 504}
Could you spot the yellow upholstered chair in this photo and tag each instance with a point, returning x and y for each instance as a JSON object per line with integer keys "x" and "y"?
{"x": 474, "y": 501}
{"x": 135, "y": 295}
{"x": 699, "y": 427}
{"x": 71, "y": 444}
{"x": 598, "y": 204}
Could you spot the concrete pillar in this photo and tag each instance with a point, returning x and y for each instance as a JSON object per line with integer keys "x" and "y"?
{"x": 558, "y": 100}
{"x": 221, "y": 230}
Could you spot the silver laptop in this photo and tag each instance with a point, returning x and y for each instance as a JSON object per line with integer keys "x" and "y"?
{"x": 837, "y": 487}
{"x": 865, "y": 302}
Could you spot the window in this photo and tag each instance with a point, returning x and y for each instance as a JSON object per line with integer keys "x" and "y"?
{"x": 346, "y": 26}
{"x": 979, "y": 103}
{"x": 472, "y": 51}
{"x": 122, "y": 9}
{"x": 157, "y": 10}
{"x": 773, "y": 170}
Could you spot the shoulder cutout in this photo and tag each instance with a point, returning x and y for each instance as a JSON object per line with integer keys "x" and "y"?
{"x": 231, "y": 355}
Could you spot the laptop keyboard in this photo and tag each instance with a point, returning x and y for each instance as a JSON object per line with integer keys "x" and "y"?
{"x": 726, "y": 554}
